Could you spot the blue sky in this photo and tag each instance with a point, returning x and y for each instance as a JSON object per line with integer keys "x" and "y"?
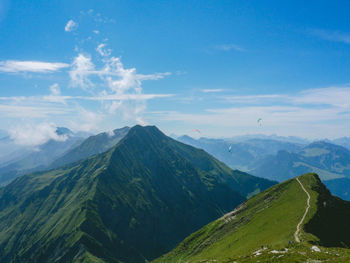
{"x": 216, "y": 66}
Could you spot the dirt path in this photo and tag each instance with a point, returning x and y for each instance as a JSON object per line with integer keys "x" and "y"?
{"x": 296, "y": 234}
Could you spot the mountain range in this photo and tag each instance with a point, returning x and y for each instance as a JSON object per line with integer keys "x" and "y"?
{"x": 53, "y": 154}
{"x": 328, "y": 160}
{"x": 92, "y": 145}
{"x": 27, "y": 159}
{"x": 131, "y": 203}
{"x": 242, "y": 154}
{"x": 281, "y": 160}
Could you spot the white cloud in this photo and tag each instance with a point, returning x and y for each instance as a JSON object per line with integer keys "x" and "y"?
{"x": 82, "y": 67}
{"x": 86, "y": 121}
{"x": 14, "y": 66}
{"x": 55, "y": 89}
{"x": 103, "y": 51}
{"x": 55, "y": 95}
{"x": 114, "y": 92}
{"x": 313, "y": 113}
{"x": 335, "y": 96}
{"x": 335, "y": 36}
{"x": 282, "y": 120}
{"x": 249, "y": 99}
{"x": 35, "y": 134}
{"x": 212, "y": 90}
{"x": 332, "y": 96}
{"x": 70, "y": 26}
{"x": 102, "y": 97}
{"x": 229, "y": 47}
{"x": 124, "y": 86}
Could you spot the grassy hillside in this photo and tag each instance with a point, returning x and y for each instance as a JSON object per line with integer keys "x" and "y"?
{"x": 270, "y": 219}
{"x": 131, "y": 203}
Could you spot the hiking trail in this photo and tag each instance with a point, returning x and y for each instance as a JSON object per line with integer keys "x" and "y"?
{"x": 296, "y": 234}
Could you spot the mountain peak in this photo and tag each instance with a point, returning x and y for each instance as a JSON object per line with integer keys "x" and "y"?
{"x": 143, "y": 133}
{"x": 311, "y": 176}
{"x": 63, "y": 131}
{"x": 148, "y": 128}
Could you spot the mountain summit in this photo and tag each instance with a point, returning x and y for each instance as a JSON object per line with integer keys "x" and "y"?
{"x": 130, "y": 204}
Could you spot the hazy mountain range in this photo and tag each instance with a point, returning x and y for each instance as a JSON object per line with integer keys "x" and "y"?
{"x": 134, "y": 195}
{"x": 273, "y": 157}
{"x": 133, "y": 202}
{"x": 280, "y": 160}
{"x": 55, "y": 153}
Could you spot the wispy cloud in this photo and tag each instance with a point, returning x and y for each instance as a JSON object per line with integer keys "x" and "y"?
{"x": 312, "y": 113}
{"x": 229, "y": 47}
{"x": 334, "y": 96}
{"x": 29, "y": 110}
{"x": 31, "y": 135}
{"x": 118, "y": 90}
{"x": 70, "y": 26}
{"x": 331, "y": 96}
{"x": 212, "y": 90}
{"x": 335, "y": 36}
{"x": 103, "y": 51}
{"x": 55, "y": 89}
{"x": 14, "y": 66}
{"x": 251, "y": 99}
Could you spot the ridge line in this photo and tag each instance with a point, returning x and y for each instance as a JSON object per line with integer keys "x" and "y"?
{"x": 296, "y": 234}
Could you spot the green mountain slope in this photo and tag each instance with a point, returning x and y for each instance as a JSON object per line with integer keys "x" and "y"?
{"x": 93, "y": 145}
{"x": 270, "y": 220}
{"x": 131, "y": 203}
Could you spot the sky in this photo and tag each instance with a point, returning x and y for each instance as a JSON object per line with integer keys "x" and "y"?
{"x": 202, "y": 68}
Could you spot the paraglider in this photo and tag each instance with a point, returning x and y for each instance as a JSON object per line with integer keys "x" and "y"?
{"x": 229, "y": 149}
{"x": 259, "y": 121}
{"x": 196, "y": 130}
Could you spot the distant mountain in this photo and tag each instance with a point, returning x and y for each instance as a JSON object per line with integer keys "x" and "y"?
{"x": 274, "y": 137}
{"x": 130, "y": 204}
{"x": 29, "y": 159}
{"x": 63, "y": 131}
{"x": 10, "y": 151}
{"x": 344, "y": 141}
{"x": 3, "y": 134}
{"x": 265, "y": 228}
{"x": 339, "y": 187}
{"x": 328, "y": 160}
{"x": 240, "y": 155}
{"x": 93, "y": 145}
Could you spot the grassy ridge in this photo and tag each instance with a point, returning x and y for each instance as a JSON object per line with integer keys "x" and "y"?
{"x": 268, "y": 219}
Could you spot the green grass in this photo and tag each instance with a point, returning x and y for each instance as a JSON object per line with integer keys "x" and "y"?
{"x": 268, "y": 219}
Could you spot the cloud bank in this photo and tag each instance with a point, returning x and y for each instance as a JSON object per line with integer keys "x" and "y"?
{"x": 32, "y": 135}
